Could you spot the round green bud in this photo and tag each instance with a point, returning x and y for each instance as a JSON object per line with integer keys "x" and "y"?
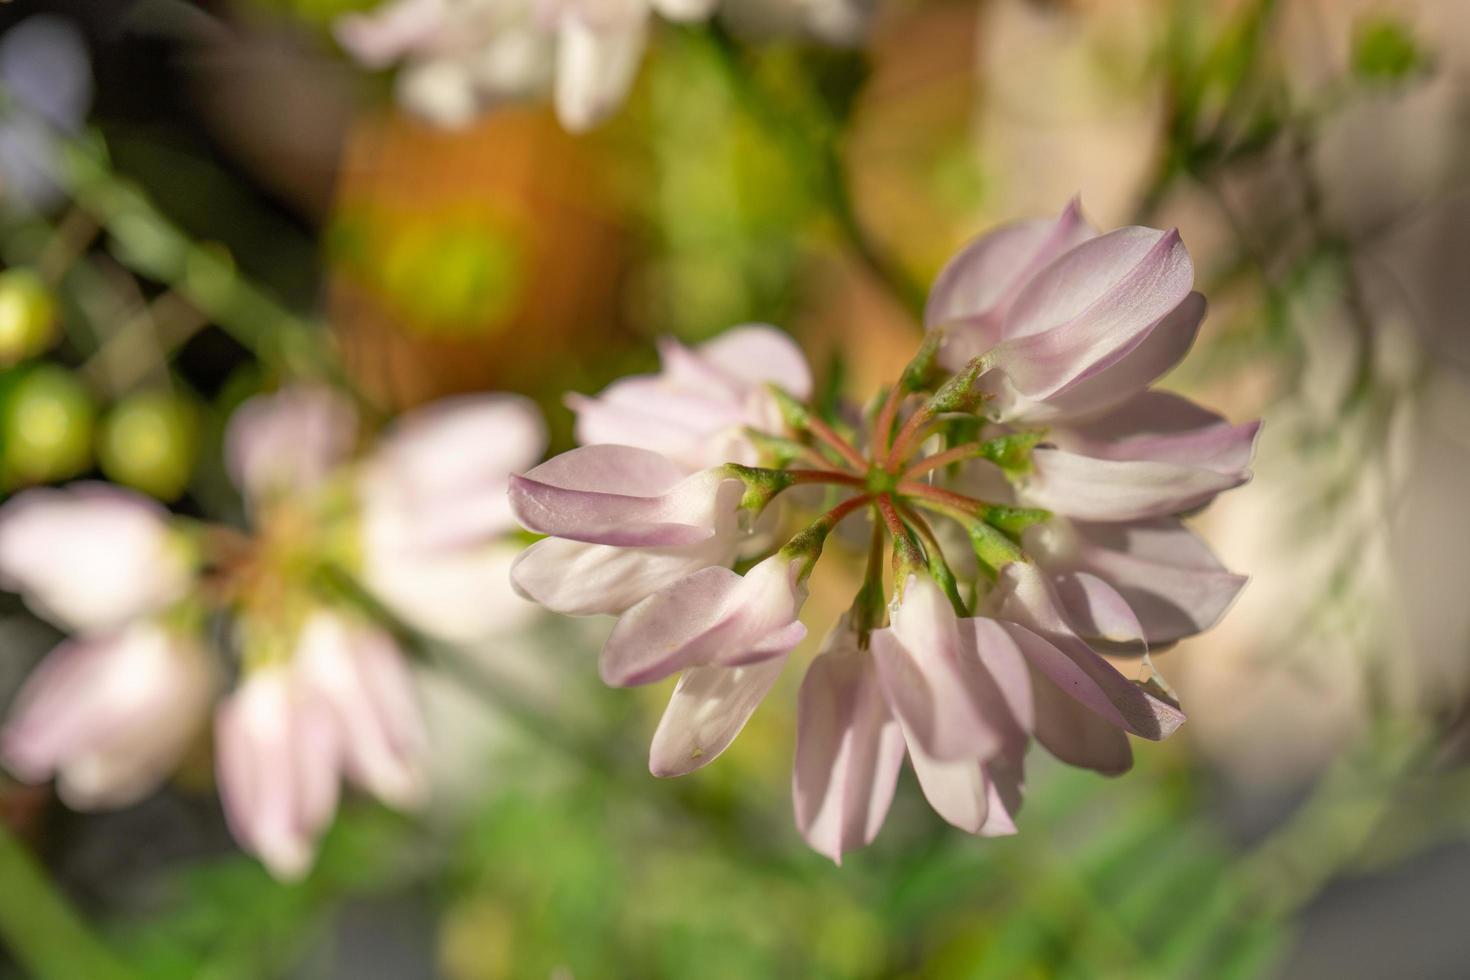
{"x": 27, "y": 315}
{"x": 150, "y": 441}
{"x": 46, "y": 427}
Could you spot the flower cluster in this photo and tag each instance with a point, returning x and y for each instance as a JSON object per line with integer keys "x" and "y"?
{"x": 1021, "y": 478}
{"x": 338, "y": 551}
{"x": 460, "y": 55}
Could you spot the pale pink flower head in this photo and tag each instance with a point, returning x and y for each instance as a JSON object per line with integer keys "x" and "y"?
{"x": 109, "y": 715}
{"x": 1071, "y": 534}
{"x": 91, "y": 556}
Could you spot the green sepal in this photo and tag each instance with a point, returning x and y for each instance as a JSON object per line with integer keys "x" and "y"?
{"x": 917, "y": 375}
{"x": 994, "y": 550}
{"x": 958, "y": 394}
{"x": 761, "y": 485}
{"x": 1011, "y": 452}
{"x": 796, "y": 415}
{"x": 1015, "y": 520}
{"x": 776, "y": 452}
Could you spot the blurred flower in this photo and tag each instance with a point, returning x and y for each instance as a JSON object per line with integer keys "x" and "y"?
{"x": 460, "y": 55}
{"x": 1038, "y": 321}
{"x": 47, "y": 82}
{"x": 92, "y": 557}
{"x": 110, "y": 714}
{"x": 324, "y": 691}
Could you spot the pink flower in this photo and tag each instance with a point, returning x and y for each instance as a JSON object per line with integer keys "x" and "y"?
{"x": 1074, "y": 534}
{"x": 110, "y": 715}
{"x": 696, "y": 409}
{"x": 92, "y": 557}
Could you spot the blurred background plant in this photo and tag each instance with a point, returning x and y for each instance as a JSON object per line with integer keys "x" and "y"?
{"x": 206, "y": 201}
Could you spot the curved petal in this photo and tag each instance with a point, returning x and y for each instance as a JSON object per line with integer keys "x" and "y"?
{"x": 1119, "y": 490}
{"x": 977, "y": 797}
{"x": 921, "y": 664}
{"x": 622, "y": 496}
{"x": 92, "y": 556}
{"x": 1091, "y": 306}
{"x": 1161, "y": 427}
{"x": 1075, "y": 734}
{"x": 277, "y": 761}
{"x": 848, "y": 751}
{"x": 360, "y": 674}
{"x": 1096, "y": 609}
{"x": 709, "y": 707}
{"x": 391, "y": 31}
{"x": 578, "y": 579}
{"x": 1163, "y": 570}
{"x": 711, "y": 617}
{"x": 1051, "y": 646}
{"x": 976, "y": 287}
{"x": 1157, "y": 354}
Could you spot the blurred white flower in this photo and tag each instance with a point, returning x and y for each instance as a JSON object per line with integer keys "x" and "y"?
{"x": 459, "y": 56}
{"x": 110, "y": 715}
{"x": 325, "y": 692}
{"x": 92, "y": 556}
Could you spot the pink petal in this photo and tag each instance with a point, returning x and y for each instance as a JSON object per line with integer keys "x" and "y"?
{"x": 578, "y": 579}
{"x": 1096, "y": 609}
{"x": 711, "y": 617}
{"x": 359, "y": 674}
{"x": 934, "y": 680}
{"x": 461, "y": 595}
{"x": 756, "y": 354}
{"x": 91, "y": 556}
{"x": 1075, "y": 734}
{"x": 622, "y": 496}
{"x": 1167, "y": 575}
{"x": 976, "y": 287}
{"x": 1054, "y": 648}
{"x": 110, "y": 716}
{"x": 1157, "y": 354}
{"x": 848, "y": 750}
{"x": 1119, "y": 490}
{"x": 1157, "y": 426}
{"x": 709, "y": 707}
{"x": 1091, "y": 306}
{"x": 278, "y": 763}
{"x": 289, "y": 441}
{"x": 968, "y": 793}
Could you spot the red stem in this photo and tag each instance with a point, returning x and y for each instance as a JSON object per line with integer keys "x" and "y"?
{"x": 924, "y": 491}
{"x": 884, "y": 423}
{"x": 826, "y": 476}
{"x": 834, "y": 516}
{"x": 841, "y": 446}
{"x": 908, "y": 438}
{"x": 956, "y": 455}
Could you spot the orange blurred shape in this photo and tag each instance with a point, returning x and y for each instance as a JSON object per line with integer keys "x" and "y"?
{"x": 470, "y": 259}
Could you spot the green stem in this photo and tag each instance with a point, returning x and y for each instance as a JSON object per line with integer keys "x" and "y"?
{"x": 40, "y": 928}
